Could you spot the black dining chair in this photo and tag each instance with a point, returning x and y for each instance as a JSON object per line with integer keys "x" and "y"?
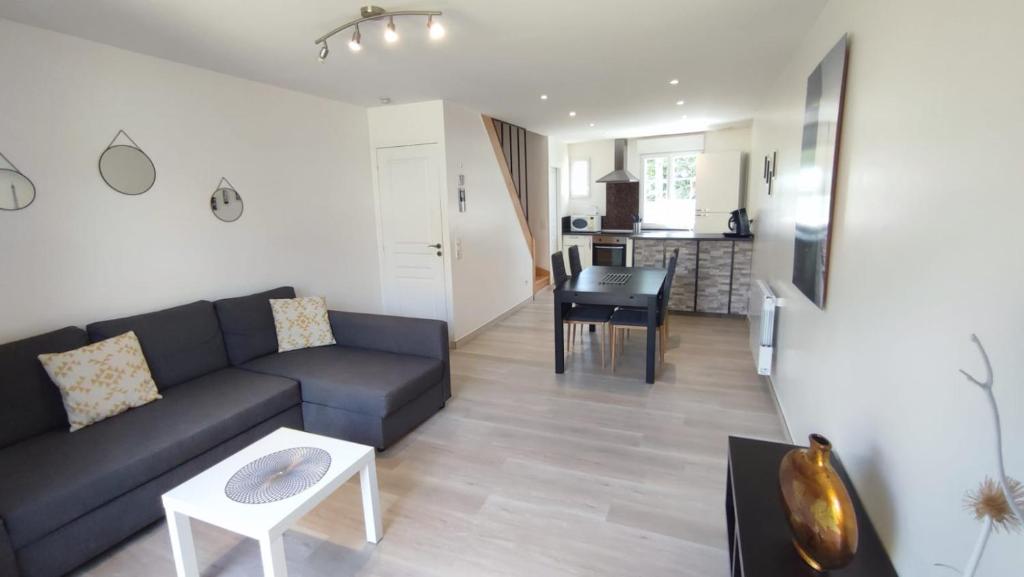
{"x": 575, "y": 266}
{"x": 626, "y": 318}
{"x": 580, "y": 315}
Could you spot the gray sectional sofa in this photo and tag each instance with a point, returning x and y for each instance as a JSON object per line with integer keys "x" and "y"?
{"x": 67, "y": 497}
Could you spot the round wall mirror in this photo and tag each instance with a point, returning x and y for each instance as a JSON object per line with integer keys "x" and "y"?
{"x": 127, "y": 169}
{"x": 16, "y": 190}
{"x": 226, "y": 204}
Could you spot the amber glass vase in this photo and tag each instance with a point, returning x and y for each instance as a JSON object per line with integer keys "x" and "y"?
{"x": 818, "y": 507}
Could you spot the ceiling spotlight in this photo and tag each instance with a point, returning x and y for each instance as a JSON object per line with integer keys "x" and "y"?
{"x": 376, "y": 13}
{"x": 680, "y": 102}
{"x": 593, "y": 124}
{"x": 390, "y": 34}
{"x": 355, "y": 45}
{"x": 685, "y": 117}
{"x": 436, "y": 28}
{"x": 572, "y": 114}
{"x": 674, "y": 81}
{"x": 543, "y": 96}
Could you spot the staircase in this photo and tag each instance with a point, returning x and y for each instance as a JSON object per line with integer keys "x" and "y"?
{"x": 512, "y": 140}
{"x": 509, "y": 143}
{"x": 541, "y": 279}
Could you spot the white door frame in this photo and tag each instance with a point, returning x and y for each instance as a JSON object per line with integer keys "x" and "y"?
{"x": 445, "y": 236}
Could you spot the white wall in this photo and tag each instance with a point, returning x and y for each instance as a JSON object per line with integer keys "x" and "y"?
{"x": 83, "y": 252}
{"x": 495, "y": 271}
{"x": 538, "y": 178}
{"x": 926, "y": 233}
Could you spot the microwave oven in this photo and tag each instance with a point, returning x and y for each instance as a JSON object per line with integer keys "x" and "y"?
{"x": 587, "y": 223}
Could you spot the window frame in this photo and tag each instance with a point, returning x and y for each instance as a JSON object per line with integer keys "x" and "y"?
{"x": 669, "y": 156}
{"x": 589, "y": 184}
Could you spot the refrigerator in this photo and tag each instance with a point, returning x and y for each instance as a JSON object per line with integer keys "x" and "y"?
{"x": 719, "y": 184}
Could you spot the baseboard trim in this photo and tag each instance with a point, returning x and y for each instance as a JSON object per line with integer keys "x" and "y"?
{"x": 778, "y": 407}
{"x": 473, "y": 334}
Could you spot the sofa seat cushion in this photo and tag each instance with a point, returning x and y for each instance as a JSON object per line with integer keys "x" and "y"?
{"x": 357, "y": 380}
{"x": 55, "y": 478}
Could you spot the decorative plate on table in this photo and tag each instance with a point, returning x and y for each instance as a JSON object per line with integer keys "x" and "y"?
{"x": 279, "y": 475}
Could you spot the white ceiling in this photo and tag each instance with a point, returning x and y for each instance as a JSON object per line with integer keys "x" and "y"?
{"x": 609, "y": 60}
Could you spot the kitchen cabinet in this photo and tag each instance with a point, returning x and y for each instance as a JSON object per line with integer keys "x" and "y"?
{"x": 712, "y": 273}
{"x": 742, "y": 265}
{"x": 585, "y": 244}
{"x": 684, "y": 284}
{"x": 648, "y": 252}
{"x": 714, "y": 277}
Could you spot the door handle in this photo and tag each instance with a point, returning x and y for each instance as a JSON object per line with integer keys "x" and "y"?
{"x": 437, "y": 246}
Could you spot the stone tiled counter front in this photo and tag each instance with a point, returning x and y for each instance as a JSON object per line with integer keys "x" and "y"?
{"x": 712, "y": 273}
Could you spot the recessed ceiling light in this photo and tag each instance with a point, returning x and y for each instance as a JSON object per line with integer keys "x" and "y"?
{"x": 543, "y": 96}
{"x": 674, "y": 81}
{"x": 685, "y": 117}
{"x": 593, "y": 124}
{"x": 572, "y": 114}
{"x": 680, "y": 102}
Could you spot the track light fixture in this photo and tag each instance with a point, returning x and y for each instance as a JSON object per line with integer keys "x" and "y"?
{"x": 355, "y": 45}
{"x": 390, "y": 34}
{"x": 435, "y": 29}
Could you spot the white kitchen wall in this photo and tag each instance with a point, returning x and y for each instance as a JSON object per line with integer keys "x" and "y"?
{"x": 926, "y": 229}
{"x": 83, "y": 252}
{"x": 602, "y": 159}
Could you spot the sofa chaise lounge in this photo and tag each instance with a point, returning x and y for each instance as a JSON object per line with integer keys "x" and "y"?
{"x": 68, "y": 497}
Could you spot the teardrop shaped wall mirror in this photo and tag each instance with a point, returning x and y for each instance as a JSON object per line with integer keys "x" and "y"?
{"x": 126, "y": 168}
{"x": 226, "y": 203}
{"x": 16, "y": 190}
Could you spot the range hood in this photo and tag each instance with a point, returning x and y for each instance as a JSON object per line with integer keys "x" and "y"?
{"x": 620, "y": 174}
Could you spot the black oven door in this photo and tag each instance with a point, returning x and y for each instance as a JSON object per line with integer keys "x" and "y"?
{"x": 609, "y": 255}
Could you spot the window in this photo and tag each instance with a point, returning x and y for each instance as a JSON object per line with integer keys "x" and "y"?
{"x": 669, "y": 188}
{"x": 579, "y": 179}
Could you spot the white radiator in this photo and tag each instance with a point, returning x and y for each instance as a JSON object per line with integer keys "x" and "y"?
{"x": 763, "y": 304}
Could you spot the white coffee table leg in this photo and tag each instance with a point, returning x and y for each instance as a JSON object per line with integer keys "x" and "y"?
{"x": 182, "y": 544}
{"x": 272, "y": 554}
{"x": 371, "y": 501}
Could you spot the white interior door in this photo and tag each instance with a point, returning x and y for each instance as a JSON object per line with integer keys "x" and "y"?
{"x": 411, "y": 231}
{"x": 718, "y": 190}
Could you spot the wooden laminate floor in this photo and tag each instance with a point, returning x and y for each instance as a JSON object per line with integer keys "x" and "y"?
{"x": 527, "y": 473}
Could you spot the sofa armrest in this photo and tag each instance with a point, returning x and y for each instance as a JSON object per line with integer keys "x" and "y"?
{"x": 402, "y": 335}
{"x": 8, "y": 564}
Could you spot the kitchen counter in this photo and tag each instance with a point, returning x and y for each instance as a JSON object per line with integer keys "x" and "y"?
{"x": 684, "y": 235}
{"x": 658, "y": 235}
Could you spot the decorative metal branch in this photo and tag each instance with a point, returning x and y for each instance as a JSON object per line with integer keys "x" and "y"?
{"x": 986, "y": 385}
{"x": 997, "y": 504}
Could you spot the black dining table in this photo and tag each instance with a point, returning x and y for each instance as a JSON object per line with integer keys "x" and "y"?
{"x": 614, "y": 286}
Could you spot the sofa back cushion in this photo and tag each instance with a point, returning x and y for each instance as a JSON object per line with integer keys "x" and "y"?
{"x": 248, "y": 324}
{"x": 30, "y": 403}
{"x": 180, "y": 343}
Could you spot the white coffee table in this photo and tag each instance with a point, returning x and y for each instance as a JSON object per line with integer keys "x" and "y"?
{"x": 203, "y": 498}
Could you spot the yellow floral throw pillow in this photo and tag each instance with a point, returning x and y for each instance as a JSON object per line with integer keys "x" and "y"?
{"x": 301, "y": 323}
{"x": 101, "y": 380}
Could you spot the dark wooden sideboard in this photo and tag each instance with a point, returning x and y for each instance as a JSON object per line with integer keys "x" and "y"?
{"x": 759, "y": 537}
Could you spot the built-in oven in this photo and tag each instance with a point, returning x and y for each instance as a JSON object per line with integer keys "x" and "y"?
{"x": 609, "y": 250}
